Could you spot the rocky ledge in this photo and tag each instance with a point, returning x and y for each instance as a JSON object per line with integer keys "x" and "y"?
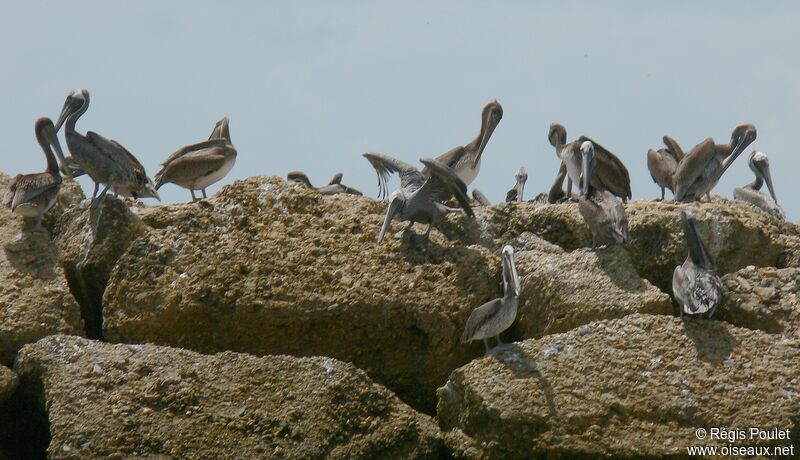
{"x": 273, "y": 269}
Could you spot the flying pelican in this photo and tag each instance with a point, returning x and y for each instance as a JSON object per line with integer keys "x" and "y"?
{"x": 750, "y": 193}
{"x": 495, "y": 316}
{"x": 197, "y": 166}
{"x": 696, "y": 287}
{"x": 480, "y": 198}
{"x": 701, "y": 168}
{"x": 31, "y": 195}
{"x": 419, "y": 196}
{"x": 465, "y": 160}
{"x": 334, "y": 187}
{"x": 609, "y": 172}
{"x": 104, "y": 160}
{"x": 515, "y": 194}
{"x": 601, "y": 211}
{"x": 663, "y": 163}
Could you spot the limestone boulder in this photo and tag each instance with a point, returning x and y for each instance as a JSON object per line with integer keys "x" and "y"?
{"x": 635, "y": 387}
{"x": 763, "y": 298}
{"x": 563, "y": 290}
{"x": 8, "y": 383}
{"x": 146, "y": 401}
{"x": 268, "y": 267}
{"x": 35, "y": 300}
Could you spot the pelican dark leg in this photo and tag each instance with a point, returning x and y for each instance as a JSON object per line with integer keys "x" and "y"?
{"x": 204, "y": 193}
{"x": 402, "y": 232}
{"x": 100, "y": 196}
{"x": 194, "y": 198}
{"x": 486, "y": 344}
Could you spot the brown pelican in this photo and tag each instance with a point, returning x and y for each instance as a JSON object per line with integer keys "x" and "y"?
{"x": 104, "y": 160}
{"x": 419, "y": 196}
{"x": 196, "y": 166}
{"x": 515, "y": 194}
{"x": 663, "y": 163}
{"x": 495, "y": 316}
{"x": 696, "y": 287}
{"x": 701, "y": 168}
{"x": 609, "y": 172}
{"x": 334, "y": 187}
{"x": 465, "y": 160}
{"x": 601, "y": 211}
{"x": 751, "y": 193}
{"x": 31, "y": 195}
{"x": 480, "y": 198}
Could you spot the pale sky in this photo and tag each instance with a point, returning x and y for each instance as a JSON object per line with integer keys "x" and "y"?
{"x": 311, "y": 85}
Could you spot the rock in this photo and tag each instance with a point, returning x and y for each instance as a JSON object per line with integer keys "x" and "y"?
{"x": 636, "y": 387}
{"x": 563, "y": 290}
{"x": 150, "y": 401}
{"x": 8, "y": 383}
{"x": 267, "y": 267}
{"x": 735, "y": 234}
{"x": 763, "y": 298}
{"x": 91, "y": 242}
{"x": 35, "y": 300}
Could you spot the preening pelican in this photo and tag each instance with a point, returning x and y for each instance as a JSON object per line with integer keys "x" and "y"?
{"x": 515, "y": 193}
{"x": 197, "y": 166}
{"x": 697, "y": 289}
{"x": 419, "y": 197}
{"x": 700, "y": 169}
{"x": 495, "y": 316}
{"x": 31, "y": 195}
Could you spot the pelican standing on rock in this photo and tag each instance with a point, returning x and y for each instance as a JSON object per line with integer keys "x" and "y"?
{"x": 701, "y": 168}
{"x": 419, "y": 196}
{"x": 697, "y": 289}
{"x": 31, "y": 195}
{"x": 663, "y": 163}
{"x": 515, "y": 194}
{"x": 609, "y": 172}
{"x": 751, "y": 193}
{"x": 334, "y": 187}
{"x": 197, "y": 166}
{"x": 601, "y": 211}
{"x": 104, "y": 160}
{"x": 465, "y": 160}
{"x": 495, "y": 316}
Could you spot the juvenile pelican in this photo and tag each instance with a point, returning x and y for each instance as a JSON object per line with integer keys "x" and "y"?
{"x": 495, "y": 316}
{"x": 601, "y": 211}
{"x": 697, "y": 289}
{"x": 334, "y": 187}
{"x": 197, "y": 166}
{"x": 609, "y": 172}
{"x": 104, "y": 160}
{"x": 419, "y": 196}
{"x": 465, "y": 160}
{"x": 515, "y": 194}
{"x": 480, "y": 198}
{"x": 700, "y": 170}
{"x": 751, "y": 193}
{"x": 31, "y": 195}
{"x": 663, "y": 163}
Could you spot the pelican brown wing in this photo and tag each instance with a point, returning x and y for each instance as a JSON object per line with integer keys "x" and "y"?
{"x": 26, "y": 188}
{"x": 609, "y": 171}
{"x": 692, "y": 166}
{"x": 385, "y": 166}
{"x": 188, "y": 168}
{"x": 444, "y": 183}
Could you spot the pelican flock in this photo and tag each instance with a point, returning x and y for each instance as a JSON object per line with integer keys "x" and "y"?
{"x": 428, "y": 195}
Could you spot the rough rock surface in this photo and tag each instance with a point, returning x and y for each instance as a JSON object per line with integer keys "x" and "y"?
{"x": 268, "y": 267}
{"x": 735, "y": 234}
{"x": 8, "y": 383}
{"x": 763, "y": 298}
{"x": 562, "y": 290}
{"x": 91, "y": 243}
{"x": 123, "y": 401}
{"x": 633, "y": 387}
{"x": 35, "y": 300}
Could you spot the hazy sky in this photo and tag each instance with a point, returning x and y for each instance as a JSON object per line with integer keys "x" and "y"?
{"x": 312, "y": 85}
